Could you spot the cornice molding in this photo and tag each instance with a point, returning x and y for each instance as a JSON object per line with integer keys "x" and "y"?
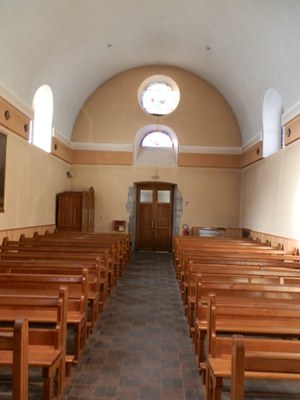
{"x": 101, "y": 146}
{"x": 61, "y": 138}
{"x": 251, "y": 143}
{"x": 290, "y": 114}
{"x": 16, "y": 102}
{"x": 209, "y": 149}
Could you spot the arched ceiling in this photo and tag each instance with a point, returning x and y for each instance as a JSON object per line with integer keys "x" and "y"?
{"x": 242, "y": 47}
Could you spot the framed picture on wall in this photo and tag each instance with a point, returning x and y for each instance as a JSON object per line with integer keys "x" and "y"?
{"x": 2, "y": 169}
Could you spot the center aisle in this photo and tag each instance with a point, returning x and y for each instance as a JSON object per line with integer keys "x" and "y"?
{"x": 140, "y": 349}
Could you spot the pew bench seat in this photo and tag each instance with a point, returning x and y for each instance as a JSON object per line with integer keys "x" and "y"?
{"x": 279, "y": 352}
{"x": 261, "y": 365}
{"x": 46, "y": 344}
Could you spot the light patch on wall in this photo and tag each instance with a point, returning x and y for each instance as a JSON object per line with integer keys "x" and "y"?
{"x": 296, "y": 213}
{"x": 272, "y": 111}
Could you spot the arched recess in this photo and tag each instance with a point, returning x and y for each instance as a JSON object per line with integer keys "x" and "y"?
{"x": 42, "y": 121}
{"x": 158, "y": 156}
{"x": 272, "y": 111}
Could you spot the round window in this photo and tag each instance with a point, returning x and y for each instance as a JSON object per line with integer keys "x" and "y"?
{"x": 159, "y": 95}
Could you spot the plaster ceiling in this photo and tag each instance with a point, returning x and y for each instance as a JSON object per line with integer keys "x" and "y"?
{"x": 253, "y": 46}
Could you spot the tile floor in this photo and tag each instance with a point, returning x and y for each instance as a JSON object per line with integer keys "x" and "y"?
{"x": 140, "y": 349}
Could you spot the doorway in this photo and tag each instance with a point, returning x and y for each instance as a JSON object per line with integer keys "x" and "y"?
{"x": 154, "y": 216}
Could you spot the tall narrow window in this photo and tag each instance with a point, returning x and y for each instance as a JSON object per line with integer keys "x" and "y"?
{"x": 42, "y": 122}
{"x": 272, "y": 110}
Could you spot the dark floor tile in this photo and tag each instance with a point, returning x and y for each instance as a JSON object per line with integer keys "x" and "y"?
{"x": 106, "y": 391}
{"x": 110, "y": 380}
{"x": 194, "y": 395}
{"x": 131, "y": 380}
{"x": 151, "y": 372}
{"x": 171, "y": 373}
{"x": 81, "y": 391}
{"x": 171, "y": 394}
{"x": 167, "y": 363}
{"x": 148, "y": 393}
{"x": 174, "y": 383}
{"x": 127, "y": 393}
{"x": 137, "y": 348}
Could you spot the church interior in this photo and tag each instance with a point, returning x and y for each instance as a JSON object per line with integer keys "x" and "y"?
{"x": 150, "y": 121}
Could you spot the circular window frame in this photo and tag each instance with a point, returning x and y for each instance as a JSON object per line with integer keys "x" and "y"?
{"x": 158, "y": 79}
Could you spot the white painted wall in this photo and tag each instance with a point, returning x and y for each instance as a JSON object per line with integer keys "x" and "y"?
{"x": 32, "y": 179}
{"x": 270, "y": 200}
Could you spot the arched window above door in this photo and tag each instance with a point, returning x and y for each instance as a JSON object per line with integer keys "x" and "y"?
{"x": 156, "y": 145}
{"x": 157, "y": 138}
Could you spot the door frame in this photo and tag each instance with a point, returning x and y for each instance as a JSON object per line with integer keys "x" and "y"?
{"x": 157, "y": 186}
{"x": 131, "y": 209}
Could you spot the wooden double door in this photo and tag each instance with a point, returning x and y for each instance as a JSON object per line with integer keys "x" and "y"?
{"x": 154, "y": 216}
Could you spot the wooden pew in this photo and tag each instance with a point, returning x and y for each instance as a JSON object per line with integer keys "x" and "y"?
{"x": 59, "y": 246}
{"x": 197, "y": 244}
{"x": 270, "y": 362}
{"x": 248, "y": 294}
{"x": 226, "y": 277}
{"x": 216, "y": 251}
{"x": 55, "y": 267}
{"x": 76, "y": 259}
{"x": 260, "y": 261}
{"x": 235, "y": 252}
{"x": 123, "y": 238}
{"x": 46, "y": 344}
{"x": 251, "y": 255}
{"x": 183, "y": 242}
{"x": 237, "y": 368}
{"x": 62, "y": 252}
{"x": 15, "y": 345}
{"x": 202, "y": 243}
{"x": 278, "y": 358}
{"x": 251, "y": 318}
{"x": 115, "y": 244}
{"x": 243, "y": 273}
{"x": 240, "y": 263}
{"x": 120, "y": 240}
{"x": 34, "y": 284}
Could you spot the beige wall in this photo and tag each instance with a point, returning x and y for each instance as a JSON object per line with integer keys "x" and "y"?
{"x": 213, "y": 195}
{"x": 264, "y": 197}
{"x": 112, "y": 114}
{"x": 32, "y": 180}
{"x": 271, "y": 194}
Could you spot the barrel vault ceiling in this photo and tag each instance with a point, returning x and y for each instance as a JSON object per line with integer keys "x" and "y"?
{"x": 242, "y": 47}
